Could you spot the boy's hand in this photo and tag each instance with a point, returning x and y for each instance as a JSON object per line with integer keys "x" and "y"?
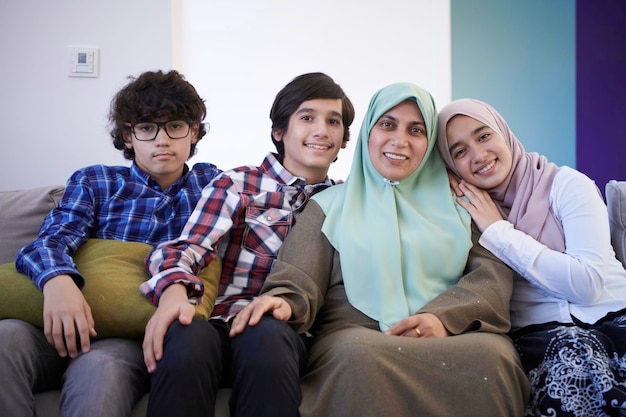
{"x": 173, "y": 305}
{"x": 67, "y": 317}
{"x": 419, "y": 325}
{"x": 252, "y": 313}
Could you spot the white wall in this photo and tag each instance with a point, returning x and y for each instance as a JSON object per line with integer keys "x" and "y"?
{"x": 53, "y": 124}
{"x": 240, "y": 54}
{"x": 237, "y": 54}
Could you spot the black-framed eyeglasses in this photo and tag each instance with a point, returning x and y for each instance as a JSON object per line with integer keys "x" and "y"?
{"x": 145, "y": 131}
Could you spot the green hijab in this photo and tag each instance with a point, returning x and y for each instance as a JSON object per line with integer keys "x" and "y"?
{"x": 400, "y": 244}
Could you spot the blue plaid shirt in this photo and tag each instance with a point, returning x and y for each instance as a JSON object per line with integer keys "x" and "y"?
{"x": 243, "y": 216}
{"x": 111, "y": 202}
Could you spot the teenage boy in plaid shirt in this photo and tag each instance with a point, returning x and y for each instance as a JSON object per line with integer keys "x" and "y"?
{"x": 243, "y": 217}
{"x": 156, "y": 121}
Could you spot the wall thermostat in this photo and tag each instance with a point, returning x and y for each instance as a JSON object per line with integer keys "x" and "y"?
{"x": 84, "y": 62}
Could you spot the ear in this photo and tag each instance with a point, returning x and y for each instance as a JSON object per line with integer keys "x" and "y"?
{"x": 128, "y": 141}
{"x": 195, "y": 128}
{"x": 278, "y": 135}
{"x": 344, "y": 144}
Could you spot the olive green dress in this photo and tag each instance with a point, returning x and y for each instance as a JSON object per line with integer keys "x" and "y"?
{"x": 356, "y": 370}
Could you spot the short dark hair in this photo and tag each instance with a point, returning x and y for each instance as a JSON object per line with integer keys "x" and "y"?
{"x": 302, "y": 88}
{"x": 152, "y": 96}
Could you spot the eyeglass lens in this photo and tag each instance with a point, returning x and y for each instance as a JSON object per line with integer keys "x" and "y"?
{"x": 175, "y": 129}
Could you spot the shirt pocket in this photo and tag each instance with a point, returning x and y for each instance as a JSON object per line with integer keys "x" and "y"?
{"x": 266, "y": 229}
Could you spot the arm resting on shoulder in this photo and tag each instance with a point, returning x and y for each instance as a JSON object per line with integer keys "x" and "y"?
{"x": 578, "y": 274}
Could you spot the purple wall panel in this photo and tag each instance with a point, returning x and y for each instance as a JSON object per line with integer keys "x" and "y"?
{"x": 601, "y": 89}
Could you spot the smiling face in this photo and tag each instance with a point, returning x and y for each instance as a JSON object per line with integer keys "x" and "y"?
{"x": 162, "y": 158}
{"x": 313, "y": 139}
{"x": 398, "y": 142}
{"x": 480, "y": 154}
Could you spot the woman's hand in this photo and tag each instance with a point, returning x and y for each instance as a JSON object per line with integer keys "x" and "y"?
{"x": 252, "y": 313}
{"x": 419, "y": 325}
{"x": 480, "y": 205}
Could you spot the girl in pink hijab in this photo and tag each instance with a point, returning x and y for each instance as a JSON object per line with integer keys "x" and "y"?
{"x": 550, "y": 225}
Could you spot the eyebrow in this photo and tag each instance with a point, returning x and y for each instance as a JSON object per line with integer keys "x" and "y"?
{"x": 310, "y": 110}
{"x": 395, "y": 119}
{"x": 473, "y": 133}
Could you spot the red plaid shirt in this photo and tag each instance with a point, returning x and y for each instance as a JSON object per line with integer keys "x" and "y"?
{"x": 243, "y": 216}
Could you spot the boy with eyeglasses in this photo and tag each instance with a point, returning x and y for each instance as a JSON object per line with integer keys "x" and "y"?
{"x": 157, "y": 121}
{"x": 244, "y": 216}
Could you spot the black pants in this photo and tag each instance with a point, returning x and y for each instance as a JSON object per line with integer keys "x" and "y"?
{"x": 262, "y": 365}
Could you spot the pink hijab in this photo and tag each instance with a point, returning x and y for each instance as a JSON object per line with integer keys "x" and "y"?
{"x": 523, "y": 198}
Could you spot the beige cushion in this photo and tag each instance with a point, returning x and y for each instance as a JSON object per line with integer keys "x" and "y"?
{"x": 113, "y": 271}
{"x": 615, "y": 192}
{"x": 21, "y": 215}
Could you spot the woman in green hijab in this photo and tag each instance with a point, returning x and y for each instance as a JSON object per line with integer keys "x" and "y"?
{"x": 408, "y": 312}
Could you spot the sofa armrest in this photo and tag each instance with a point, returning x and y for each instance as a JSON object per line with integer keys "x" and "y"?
{"x": 21, "y": 215}
{"x": 615, "y": 192}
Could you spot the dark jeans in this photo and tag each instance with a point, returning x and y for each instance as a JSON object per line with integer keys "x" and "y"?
{"x": 263, "y": 366}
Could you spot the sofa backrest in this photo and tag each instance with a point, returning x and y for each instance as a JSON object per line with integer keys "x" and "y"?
{"x": 615, "y": 192}
{"x": 21, "y": 215}
{"x": 22, "y": 211}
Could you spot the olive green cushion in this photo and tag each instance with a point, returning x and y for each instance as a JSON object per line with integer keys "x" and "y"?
{"x": 113, "y": 271}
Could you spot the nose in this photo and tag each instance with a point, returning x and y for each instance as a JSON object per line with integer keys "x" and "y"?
{"x": 478, "y": 154}
{"x": 161, "y": 138}
{"x": 320, "y": 129}
{"x": 400, "y": 139}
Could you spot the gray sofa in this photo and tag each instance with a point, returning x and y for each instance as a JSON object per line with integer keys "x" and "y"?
{"x": 22, "y": 211}
{"x": 21, "y": 215}
{"x": 615, "y": 192}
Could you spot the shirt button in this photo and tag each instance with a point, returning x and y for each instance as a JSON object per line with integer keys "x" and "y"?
{"x": 269, "y": 218}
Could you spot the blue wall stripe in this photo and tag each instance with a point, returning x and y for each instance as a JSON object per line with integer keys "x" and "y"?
{"x": 519, "y": 56}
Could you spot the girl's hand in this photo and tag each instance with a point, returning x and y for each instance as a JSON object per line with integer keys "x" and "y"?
{"x": 480, "y": 205}
{"x": 454, "y": 183}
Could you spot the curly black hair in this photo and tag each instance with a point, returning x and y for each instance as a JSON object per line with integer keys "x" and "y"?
{"x": 153, "y": 96}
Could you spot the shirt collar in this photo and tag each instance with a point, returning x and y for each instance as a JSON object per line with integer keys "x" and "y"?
{"x": 146, "y": 179}
{"x": 272, "y": 167}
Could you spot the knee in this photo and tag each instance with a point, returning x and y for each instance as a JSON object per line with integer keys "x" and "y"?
{"x": 112, "y": 357}
{"x": 269, "y": 344}
{"x": 188, "y": 346}
{"x": 351, "y": 353}
{"x": 18, "y": 338}
{"x": 268, "y": 338}
{"x": 501, "y": 362}
{"x": 16, "y": 332}
{"x": 496, "y": 352}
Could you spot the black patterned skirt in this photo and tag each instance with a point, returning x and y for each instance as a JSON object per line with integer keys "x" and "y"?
{"x": 575, "y": 370}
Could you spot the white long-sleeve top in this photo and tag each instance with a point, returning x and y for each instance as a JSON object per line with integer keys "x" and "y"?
{"x": 586, "y": 282}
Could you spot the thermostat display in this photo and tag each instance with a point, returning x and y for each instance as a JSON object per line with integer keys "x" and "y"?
{"x": 84, "y": 62}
